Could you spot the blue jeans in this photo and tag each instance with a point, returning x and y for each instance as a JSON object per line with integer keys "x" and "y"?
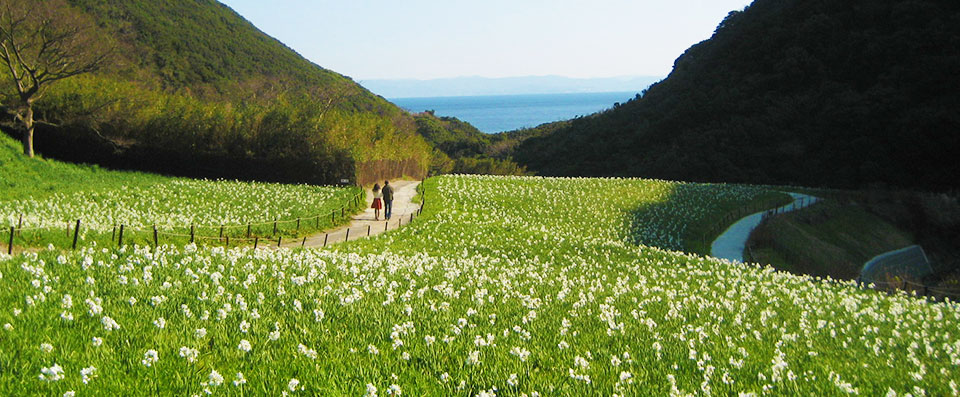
{"x": 387, "y": 208}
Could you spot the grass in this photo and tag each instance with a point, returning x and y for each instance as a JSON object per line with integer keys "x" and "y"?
{"x": 827, "y": 239}
{"x": 513, "y": 286}
{"x": 43, "y": 199}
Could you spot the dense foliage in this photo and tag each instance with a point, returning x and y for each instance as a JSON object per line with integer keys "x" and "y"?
{"x": 461, "y": 148}
{"x": 485, "y": 294}
{"x": 196, "y": 90}
{"x": 816, "y": 93}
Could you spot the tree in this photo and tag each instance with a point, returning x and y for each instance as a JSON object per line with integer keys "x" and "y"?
{"x": 42, "y": 42}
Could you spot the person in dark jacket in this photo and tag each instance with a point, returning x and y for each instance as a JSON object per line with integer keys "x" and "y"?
{"x": 387, "y": 199}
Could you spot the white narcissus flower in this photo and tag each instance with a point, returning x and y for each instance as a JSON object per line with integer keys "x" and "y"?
{"x": 294, "y": 385}
{"x": 240, "y": 380}
{"x": 87, "y": 374}
{"x": 215, "y": 379}
{"x": 244, "y": 346}
{"x": 46, "y": 347}
{"x": 150, "y": 357}
{"x": 51, "y": 374}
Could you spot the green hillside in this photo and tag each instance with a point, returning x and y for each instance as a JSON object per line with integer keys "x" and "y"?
{"x": 43, "y": 197}
{"x": 461, "y": 148}
{"x": 197, "y": 90}
{"x": 816, "y": 93}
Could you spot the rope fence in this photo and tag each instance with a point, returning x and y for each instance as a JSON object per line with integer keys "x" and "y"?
{"x": 225, "y": 233}
{"x": 263, "y": 233}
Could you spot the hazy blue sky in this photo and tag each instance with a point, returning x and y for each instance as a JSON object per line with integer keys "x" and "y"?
{"x": 423, "y": 39}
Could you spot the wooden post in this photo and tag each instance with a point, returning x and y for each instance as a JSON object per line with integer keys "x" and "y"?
{"x": 156, "y": 237}
{"x": 191, "y": 234}
{"x": 325, "y": 235}
{"x": 76, "y": 233}
{"x": 221, "y": 232}
{"x": 298, "y": 224}
{"x": 227, "y": 243}
{"x": 274, "y": 226}
{"x": 368, "y": 230}
{"x": 113, "y": 234}
{"x": 120, "y": 240}
{"x": 248, "y": 230}
{"x": 304, "y": 243}
{"x": 385, "y": 224}
{"x": 411, "y": 218}
{"x": 347, "y": 237}
{"x": 279, "y": 240}
{"x": 255, "y": 242}
{"x": 10, "y": 243}
{"x": 342, "y": 212}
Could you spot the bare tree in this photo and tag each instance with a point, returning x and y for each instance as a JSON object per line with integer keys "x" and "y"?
{"x": 42, "y": 42}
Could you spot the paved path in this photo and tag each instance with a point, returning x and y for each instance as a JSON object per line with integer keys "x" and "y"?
{"x": 731, "y": 243}
{"x": 364, "y": 222}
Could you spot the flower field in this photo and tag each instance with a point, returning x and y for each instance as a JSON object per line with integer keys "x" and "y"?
{"x": 173, "y": 205}
{"x": 504, "y": 286}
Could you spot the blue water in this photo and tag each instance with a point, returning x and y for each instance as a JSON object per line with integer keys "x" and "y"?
{"x": 497, "y": 113}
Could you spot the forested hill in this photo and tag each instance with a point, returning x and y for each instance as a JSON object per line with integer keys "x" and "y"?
{"x": 196, "y": 90}
{"x": 205, "y": 48}
{"x": 813, "y": 92}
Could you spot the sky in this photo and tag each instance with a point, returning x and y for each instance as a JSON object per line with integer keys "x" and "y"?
{"x": 430, "y": 39}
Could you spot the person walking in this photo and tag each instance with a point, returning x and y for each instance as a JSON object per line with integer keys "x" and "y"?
{"x": 387, "y": 199}
{"x": 377, "y": 201}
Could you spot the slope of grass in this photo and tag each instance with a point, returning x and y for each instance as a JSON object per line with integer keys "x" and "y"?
{"x": 828, "y": 239}
{"x": 44, "y": 199}
{"x": 512, "y": 286}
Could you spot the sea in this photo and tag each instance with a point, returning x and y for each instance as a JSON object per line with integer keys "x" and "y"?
{"x": 498, "y": 113}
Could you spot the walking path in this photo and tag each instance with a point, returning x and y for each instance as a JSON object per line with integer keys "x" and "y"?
{"x": 731, "y": 243}
{"x": 364, "y": 224}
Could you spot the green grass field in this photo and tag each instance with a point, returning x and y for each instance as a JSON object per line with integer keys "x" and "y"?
{"x": 44, "y": 199}
{"x": 506, "y": 286}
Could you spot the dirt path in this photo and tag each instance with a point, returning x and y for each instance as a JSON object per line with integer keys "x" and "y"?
{"x": 364, "y": 224}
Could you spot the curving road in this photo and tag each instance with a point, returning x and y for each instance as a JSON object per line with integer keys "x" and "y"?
{"x": 731, "y": 243}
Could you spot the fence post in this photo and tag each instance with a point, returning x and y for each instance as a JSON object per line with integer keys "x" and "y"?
{"x": 120, "y": 240}
{"x": 10, "y": 243}
{"x": 248, "y": 230}
{"x": 347, "y": 237}
{"x": 279, "y": 240}
{"x": 342, "y": 212}
{"x": 76, "y": 233}
{"x": 304, "y": 243}
{"x": 368, "y": 230}
{"x": 325, "y": 235}
{"x": 227, "y": 243}
{"x": 156, "y": 238}
{"x": 191, "y": 234}
{"x": 255, "y": 242}
{"x": 385, "y": 225}
{"x": 411, "y": 219}
{"x": 274, "y": 226}
{"x": 298, "y": 224}
{"x": 113, "y": 234}
{"x": 221, "y": 232}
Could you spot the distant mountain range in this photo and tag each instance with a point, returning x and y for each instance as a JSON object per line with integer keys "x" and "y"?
{"x": 468, "y": 86}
